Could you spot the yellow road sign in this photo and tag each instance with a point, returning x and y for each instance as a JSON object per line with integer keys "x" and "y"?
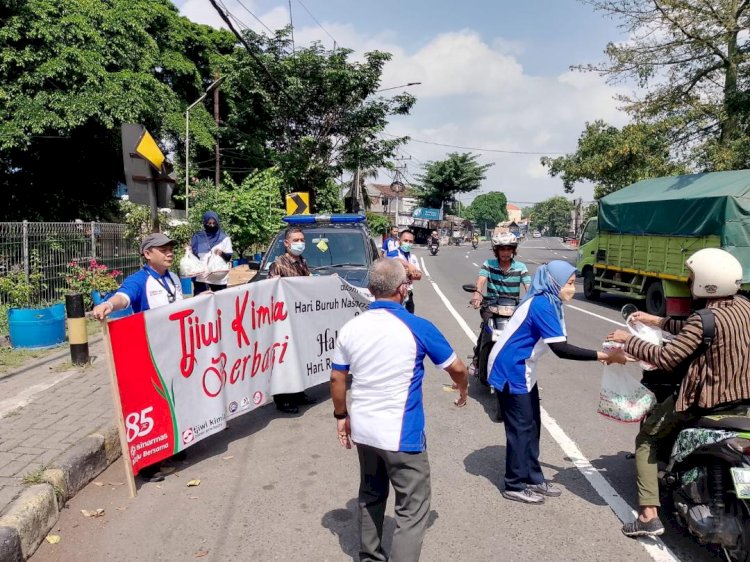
{"x": 149, "y": 150}
{"x": 298, "y": 203}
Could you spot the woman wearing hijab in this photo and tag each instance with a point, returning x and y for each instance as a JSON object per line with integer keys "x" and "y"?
{"x": 211, "y": 240}
{"x": 538, "y": 323}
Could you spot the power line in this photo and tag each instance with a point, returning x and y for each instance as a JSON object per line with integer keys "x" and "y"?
{"x": 319, "y": 24}
{"x": 260, "y": 21}
{"x": 526, "y": 152}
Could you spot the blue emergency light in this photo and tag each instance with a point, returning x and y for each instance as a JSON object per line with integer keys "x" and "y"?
{"x": 321, "y": 219}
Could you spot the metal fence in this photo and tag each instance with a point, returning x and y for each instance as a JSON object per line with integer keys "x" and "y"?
{"x": 56, "y": 244}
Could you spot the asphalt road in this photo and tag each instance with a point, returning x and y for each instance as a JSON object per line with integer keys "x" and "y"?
{"x": 277, "y": 487}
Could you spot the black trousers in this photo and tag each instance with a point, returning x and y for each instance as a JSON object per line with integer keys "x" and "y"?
{"x": 409, "y": 305}
{"x": 201, "y": 287}
{"x": 523, "y": 423}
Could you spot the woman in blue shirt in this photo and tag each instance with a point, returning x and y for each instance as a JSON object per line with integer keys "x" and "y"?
{"x": 538, "y": 324}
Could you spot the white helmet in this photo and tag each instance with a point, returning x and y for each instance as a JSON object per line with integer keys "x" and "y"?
{"x": 507, "y": 239}
{"x": 716, "y": 273}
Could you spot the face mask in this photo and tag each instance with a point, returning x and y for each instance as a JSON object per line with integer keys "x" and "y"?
{"x": 212, "y": 229}
{"x": 296, "y": 248}
{"x": 406, "y": 247}
{"x": 567, "y": 292}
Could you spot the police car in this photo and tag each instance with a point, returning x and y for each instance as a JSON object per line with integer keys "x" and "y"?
{"x": 338, "y": 243}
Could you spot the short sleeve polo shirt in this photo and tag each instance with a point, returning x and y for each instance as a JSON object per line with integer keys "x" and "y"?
{"x": 501, "y": 282}
{"x": 146, "y": 289}
{"x": 514, "y": 356}
{"x": 384, "y": 349}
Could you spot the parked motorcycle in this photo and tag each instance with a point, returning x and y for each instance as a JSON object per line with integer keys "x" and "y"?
{"x": 434, "y": 247}
{"x": 499, "y": 309}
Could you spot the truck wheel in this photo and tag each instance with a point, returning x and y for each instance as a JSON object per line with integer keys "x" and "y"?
{"x": 589, "y": 285}
{"x": 656, "y": 302}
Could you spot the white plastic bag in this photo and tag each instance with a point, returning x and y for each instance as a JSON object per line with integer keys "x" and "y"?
{"x": 622, "y": 398}
{"x": 190, "y": 265}
{"x": 216, "y": 268}
{"x": 655, "y": 336}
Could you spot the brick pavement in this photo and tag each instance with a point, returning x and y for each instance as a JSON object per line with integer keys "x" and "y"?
{"x": 52, "y": 420}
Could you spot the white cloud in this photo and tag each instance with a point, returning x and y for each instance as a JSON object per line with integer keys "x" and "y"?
{"x": 474, "y": 93}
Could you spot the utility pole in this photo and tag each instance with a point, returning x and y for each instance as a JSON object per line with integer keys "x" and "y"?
{"x": 217, "y": 178}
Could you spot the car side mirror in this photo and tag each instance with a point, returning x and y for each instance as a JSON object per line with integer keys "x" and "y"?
{"x": 469, "y": 288}
{"x": 253, "y": 265}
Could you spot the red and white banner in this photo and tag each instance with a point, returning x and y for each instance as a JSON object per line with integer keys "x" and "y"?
{"x": 183, "y": 370}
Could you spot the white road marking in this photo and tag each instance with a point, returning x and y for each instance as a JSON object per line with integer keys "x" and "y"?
{"x": 596, "y": 315}
{"x": 655, "y": 547}
{"x": 475, "y": 265}
{"x": 424, "y": 268}
{"x": 27, "y": 395}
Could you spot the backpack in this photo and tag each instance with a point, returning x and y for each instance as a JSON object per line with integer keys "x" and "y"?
{"x": 667, "y": 383}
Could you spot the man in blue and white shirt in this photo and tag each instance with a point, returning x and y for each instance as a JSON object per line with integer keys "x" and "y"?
{"x": 390, "y": 244}
{"x": 151, "y": 286}
{"x": 410, "y": 263}
{"x": 384, "y": 349}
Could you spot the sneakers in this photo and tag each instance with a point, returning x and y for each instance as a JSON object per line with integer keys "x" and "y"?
{"x": 545, "y": 489}
{"x": 638, "y": 528}
{"x": 523, "y": 496}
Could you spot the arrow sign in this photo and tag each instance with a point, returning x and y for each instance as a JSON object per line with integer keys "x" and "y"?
{"x": 298, "y": 203}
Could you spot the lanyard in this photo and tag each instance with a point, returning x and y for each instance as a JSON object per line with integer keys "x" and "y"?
{"x": 162, "y": 279}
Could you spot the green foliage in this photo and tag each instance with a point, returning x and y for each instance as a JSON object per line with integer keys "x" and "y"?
{"x": 690, "y": 59}
{"x": 316, "y": 117}
{"x": 613, "y": 158}
{"x": 250, "y": 212}
{"x": 488, "y": 209}
{"x": 552, "y": 216}
{"x": 91, "y": 276}
{"x": 17, "y": 291}
{"x": 70, "y": 73}
{"x": 443, "y": 179}
{"x": 378, "y": 224}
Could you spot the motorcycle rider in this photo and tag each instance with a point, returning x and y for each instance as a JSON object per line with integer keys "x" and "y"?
{"x": 716, "y": 375}
{"x": 434, "y": 238}
{"x": 475, "y": 239}
{"x": 502, "y": 276}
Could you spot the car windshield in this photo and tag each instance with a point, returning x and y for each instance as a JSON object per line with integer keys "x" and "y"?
{"x": 327, "y": 248}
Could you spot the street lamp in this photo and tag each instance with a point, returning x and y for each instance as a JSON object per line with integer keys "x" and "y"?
{"x": 213, "y": 85}
{"x": 396, "y": 87}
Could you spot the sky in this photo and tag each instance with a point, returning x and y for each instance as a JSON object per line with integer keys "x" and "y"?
{"x": 495, "y": 75}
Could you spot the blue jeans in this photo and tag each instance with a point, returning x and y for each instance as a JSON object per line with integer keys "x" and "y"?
{"x": 523, "y": 425}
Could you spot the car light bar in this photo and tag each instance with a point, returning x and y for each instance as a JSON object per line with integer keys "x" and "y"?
{"x": 333, "y": 219}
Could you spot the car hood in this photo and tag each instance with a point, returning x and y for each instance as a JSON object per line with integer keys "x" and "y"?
{"x": 356, "y": 276}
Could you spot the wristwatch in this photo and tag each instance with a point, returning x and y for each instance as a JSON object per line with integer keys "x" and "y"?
{"x": 341, "y": 416}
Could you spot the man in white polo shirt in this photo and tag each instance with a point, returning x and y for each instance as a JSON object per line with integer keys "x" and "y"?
{"x": 384, "y": 349}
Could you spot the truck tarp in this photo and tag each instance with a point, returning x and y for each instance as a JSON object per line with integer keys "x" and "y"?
{"x": 695, "y": 205}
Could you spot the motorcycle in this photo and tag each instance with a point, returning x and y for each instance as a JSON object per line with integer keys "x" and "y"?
{"x": 434, "y": 247}
{"x": 704, "y": 475}
{"x": 474, "y": 243}
{"x": 500, "y": 309}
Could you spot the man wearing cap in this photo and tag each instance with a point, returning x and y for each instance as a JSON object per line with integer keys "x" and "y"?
{"x": 151, "y": 286}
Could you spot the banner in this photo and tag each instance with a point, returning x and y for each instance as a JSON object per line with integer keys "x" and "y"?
{"x": 183, "y": 370}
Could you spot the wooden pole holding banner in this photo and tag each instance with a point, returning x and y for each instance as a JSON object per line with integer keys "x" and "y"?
{"x": 118, "y": 412}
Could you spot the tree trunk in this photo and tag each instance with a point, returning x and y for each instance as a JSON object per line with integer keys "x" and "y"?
{"x": 730, "y": 126}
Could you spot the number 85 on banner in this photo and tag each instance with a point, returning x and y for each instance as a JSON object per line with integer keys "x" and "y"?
{"x": 139, "y": 424}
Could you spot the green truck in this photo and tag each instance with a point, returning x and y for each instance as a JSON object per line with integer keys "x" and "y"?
{"x": 638, "y": 244}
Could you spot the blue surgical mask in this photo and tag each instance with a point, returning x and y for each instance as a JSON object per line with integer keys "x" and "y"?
{"x": 405, "y": 247}
{"x": 296, "y": 248}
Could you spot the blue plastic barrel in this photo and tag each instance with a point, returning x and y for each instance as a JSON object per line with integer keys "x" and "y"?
{"x": 37, "y": 328}
{"x": 187, "y": 286}
{"x": 99, "y": 298}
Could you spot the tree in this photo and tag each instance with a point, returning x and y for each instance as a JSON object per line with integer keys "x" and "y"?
{"x": 488, "y": 209}
{"x": 378, "y": 224}
{"x": 442, "y": 180}
{"x": 71, "y": 72}
{"x": 613, "y": 158}
{"x": 552, "y": 216}
{"x": 691, "y": 56}
{"x": 310, "y": 111}
{"x": 250, "y": 211}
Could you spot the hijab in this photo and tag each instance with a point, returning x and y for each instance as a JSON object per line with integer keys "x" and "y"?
{"x": 204, "y": 241}
{"x": 548, "y": 281}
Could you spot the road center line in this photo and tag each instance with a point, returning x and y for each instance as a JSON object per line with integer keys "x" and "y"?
{"x": 654, "y": 547}
{"x": 596, "y": 315}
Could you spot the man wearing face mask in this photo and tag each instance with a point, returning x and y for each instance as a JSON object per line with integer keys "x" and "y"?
{"x": 291, "y": 264}
{"x": 410, "y": 263}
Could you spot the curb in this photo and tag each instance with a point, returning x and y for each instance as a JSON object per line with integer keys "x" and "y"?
{"x": 29, "y": 518}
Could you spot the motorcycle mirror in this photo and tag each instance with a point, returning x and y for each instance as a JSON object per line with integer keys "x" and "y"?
{"x": 469, "y": 288}
{"x": 627, "y": 310}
